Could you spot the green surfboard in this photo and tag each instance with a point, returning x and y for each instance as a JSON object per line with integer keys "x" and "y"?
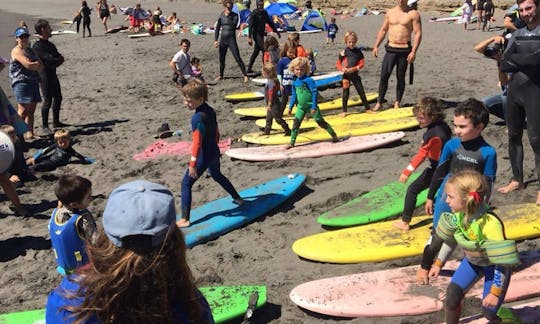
{"x": 376, "y": 205}
{"x": 226, "y": 302}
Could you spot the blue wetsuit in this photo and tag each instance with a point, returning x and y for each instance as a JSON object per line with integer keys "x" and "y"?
{"x": 205, "y": 154}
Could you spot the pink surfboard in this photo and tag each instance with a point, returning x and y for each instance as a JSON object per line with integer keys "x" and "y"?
{"x": 528, "y": 312}
{"x": 313, "y": 149}
{"x": 394, "y": 292}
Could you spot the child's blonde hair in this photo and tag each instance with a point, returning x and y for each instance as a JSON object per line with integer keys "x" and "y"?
{"x": 300, "y": 62}
{"x": 350, "y": 34}
{"x": 195, "y": 89}
{"x": 472, "y": 187}
{"x": 62, "y": 134}
{"x": 270, "y": 70}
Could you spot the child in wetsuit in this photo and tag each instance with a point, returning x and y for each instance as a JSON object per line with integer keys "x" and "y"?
{"x": 274, "y": 108}
{"x": 467, "y": 151}
{"x": 350, "y": 61}
{"x": 205, "y": 152}
{"x": 285, "y": 76}
{"x": 71, "y": 225}
{"x": 430, "y": 115}
{"x": 56, "y": 155}
{"x": 480, "y": 233}
{"x": 304, "y": 95}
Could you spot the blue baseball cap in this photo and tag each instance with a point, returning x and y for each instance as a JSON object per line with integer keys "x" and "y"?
{"x": 139, "y": 214}
{"x": 21, "y": 31}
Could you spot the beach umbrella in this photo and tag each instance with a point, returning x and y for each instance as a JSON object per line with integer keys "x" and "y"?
{"x": 280, "y": 9}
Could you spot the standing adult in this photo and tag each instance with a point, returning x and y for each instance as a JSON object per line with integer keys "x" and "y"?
{"x": 50, "y": 85}
{"x": 181, "y": 65}
{"x": 257, "y": 28}
{"x": 24, "y": 68}
{"x": 480, "y": 11}
{"x": 226, "y": 27}
{"x": 84, "y": 14}
{"x": 399, "y": 23}
{"x": 522, "y": 59}
{"x": 103, "y": 12}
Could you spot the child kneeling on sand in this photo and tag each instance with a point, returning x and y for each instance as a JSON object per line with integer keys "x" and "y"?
{"x": 72, "y": 226}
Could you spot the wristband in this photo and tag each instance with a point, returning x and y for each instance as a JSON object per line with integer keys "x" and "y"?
{"x": 438, "y": 263}
{"x": 495, "y": 291}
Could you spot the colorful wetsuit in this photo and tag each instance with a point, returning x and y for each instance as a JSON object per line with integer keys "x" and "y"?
{"x": 304, "y": 94}
{"x": 53, "y": 157}
{"x": 353, "y": 58}
{"x": 475, "y": 154}
{"x": 272, "y": 99}
{"x": 436, "y": 135}
{"x": 484, "y": 229}
{"x": 226, "y": 26}
{"x": 394, "y": 57}
{"x": 69, "y": 232}
{"x": 522, "y": 59}
{"x": 205, "y": 154}
{"x": 59, "y": 299}
{"x": 257, "y": 28}
{"x": 50, "y": 85}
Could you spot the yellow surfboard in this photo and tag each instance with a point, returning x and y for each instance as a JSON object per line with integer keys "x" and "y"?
{"x": 350, "y": 118}
{"x": 342, "y": 130}
{"x": 327, "y": 105}
{"x": 382, "y": 241}
{"x": 245, "y": 96}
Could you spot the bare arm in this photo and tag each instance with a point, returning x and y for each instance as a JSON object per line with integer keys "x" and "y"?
{"x": 508, "y": 24}
{"x": 381, "y": 35}
{"x": 481, "y": 47}
{"x": 17, "y": 54}
{"x": 417, "y": 30}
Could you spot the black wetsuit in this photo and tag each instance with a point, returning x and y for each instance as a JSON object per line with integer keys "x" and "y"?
{"x": 257, "y": 25}
{"x": 53, "y": 157}
{"x": 50, "y": 85}
{"x": 226, "y": 26}
{"x": 85, "y": 17}
{"x": 352, "y": 58}
{"x": 522, "y": 59}
{"x": 393, "y": 57}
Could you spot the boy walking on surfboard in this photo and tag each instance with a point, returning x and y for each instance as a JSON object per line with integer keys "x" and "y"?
{"x": 205, "y": 152}
{"x": 467, "y": 151}
{"x": 304, "y": 94}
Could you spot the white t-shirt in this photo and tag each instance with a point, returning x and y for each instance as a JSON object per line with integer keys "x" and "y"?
{"x": 182, "y": 61}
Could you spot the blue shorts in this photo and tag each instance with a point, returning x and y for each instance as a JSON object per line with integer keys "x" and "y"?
{"x": 26, "y": 92}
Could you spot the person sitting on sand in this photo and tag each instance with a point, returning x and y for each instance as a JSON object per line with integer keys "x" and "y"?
{"x": 56, "y": 155}
{"x": 139, "y": 271}
{"x": 205, "y": 152}
{"x": 304, "y": 95}
{"x": 430, "y": 115}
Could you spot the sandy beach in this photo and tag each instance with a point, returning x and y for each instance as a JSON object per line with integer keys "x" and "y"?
{"x": 117, "y": 92}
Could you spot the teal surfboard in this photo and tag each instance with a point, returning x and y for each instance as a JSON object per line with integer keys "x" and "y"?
{"x": 221, "y": 216}
{"x": 376, "y": 205}
{"x": 226, "y": 302}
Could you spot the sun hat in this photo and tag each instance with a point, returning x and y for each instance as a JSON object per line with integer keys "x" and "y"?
{"x": 411, "y": 2}
{"x": 20, "y": 31}
{"x": 139, "y": 214}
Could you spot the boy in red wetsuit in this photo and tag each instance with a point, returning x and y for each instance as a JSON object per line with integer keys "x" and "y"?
{"x": 430, "y": 115}
{"x": 350, "y": 61}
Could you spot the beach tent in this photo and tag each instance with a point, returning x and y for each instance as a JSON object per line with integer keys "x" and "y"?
{"x": 280, "y": 8}
{"x": 313, "y": 21}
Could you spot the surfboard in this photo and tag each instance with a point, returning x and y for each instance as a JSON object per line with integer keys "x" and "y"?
{"x": 342, "y": 130}
{"x": 528, "y": 312}
{"x": 63, "y": 32}
{"x": 139, "y": 35}
{"x": 376, "y": 205}
{"x": 394, "y": 292}
{"x": 321, "y": 81}
{"x": 66, "y": 22}
{"x": 226, "y": 302}
{"x": 327, "y": 105}
{"x": 7, "y": 152}
{"x": 221, "y": 216}
{"x": 319, "y": 77}
{"x": 316, "y": 149}
{"x": 350, "y": 118}
{"x": 382, "y": 241}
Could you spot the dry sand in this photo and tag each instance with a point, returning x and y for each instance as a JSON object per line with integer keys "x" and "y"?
{"x": 117, "y": 92}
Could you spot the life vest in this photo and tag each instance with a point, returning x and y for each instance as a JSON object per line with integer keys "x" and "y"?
{"x": 68, "y": 246}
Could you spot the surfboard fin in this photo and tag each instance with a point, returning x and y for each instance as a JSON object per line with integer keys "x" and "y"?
{"x": 252, "y": 304}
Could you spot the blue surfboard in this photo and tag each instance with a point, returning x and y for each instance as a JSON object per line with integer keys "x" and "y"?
{"x": 221, "y": 216}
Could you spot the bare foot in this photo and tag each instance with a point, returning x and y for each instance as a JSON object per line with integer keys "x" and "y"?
{"x": 217, "y": 78}
{"x": 342, "y": 114}
{"x": 239, "y": 201}
{"x": 538, "y": 199}
{"x": 246, "y": 79}
{"x": 289, "y": 146}
{"x": 378, "y": 106}
{"x": 422, "y": 277}
{"x": 396, "y": 104}
{"x": 182, "y": 223}
{"x": 513, "y": 185}
{"x": 402, "y": 225}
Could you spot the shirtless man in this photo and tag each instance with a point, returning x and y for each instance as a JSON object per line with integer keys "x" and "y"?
{"x": 399, "y": 23}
